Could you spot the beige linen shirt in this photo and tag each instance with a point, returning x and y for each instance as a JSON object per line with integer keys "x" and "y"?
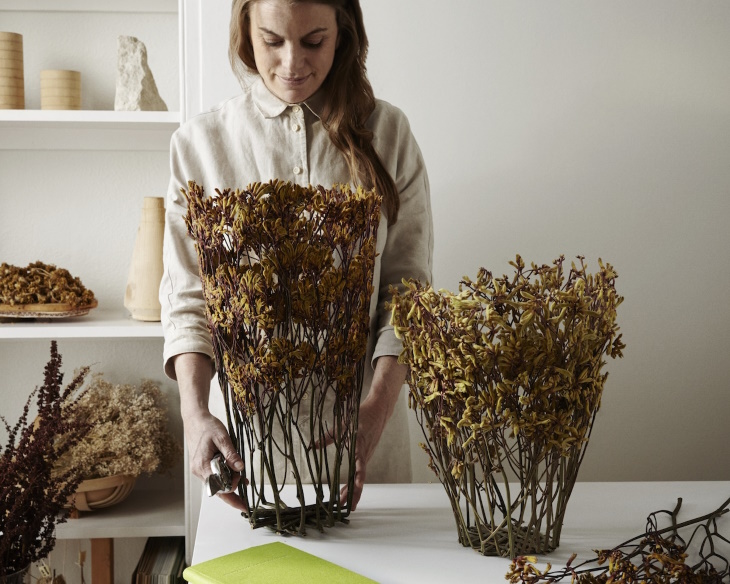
{"x": 256, "y": 137}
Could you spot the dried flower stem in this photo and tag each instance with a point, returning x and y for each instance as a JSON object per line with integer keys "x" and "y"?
{"x": 657, "y": 556}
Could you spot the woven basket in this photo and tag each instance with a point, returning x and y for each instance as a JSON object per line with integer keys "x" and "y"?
{"x": 94, "y": 494}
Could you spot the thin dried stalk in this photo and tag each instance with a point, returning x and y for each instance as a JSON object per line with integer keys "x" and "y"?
{"x": 659, "y": 556}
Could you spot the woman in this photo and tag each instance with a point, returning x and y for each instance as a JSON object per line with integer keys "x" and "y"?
{"x": 308, "y": 116}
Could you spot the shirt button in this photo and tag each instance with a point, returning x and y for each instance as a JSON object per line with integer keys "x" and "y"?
{"x": 297, "y": 170}
{"x": 296, "y": 127}
{"x": 296, "y": 109}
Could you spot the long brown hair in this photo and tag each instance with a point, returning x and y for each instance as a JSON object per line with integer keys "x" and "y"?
{"x": 348, "y": 95}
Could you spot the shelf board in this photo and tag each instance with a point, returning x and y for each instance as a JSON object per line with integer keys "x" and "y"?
{"x": 89, "y": 6}
{"x": 86, "y": 130}
{"x": 97, "y": 324}
{"x": 103, "y": 118}
{"x": 143, "y": 514}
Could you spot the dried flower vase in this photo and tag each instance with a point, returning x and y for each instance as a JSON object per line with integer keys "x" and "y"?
{"x": 287, "y": 279}
{"x": 505, "y": 377}
{"x": 145, "y": 272}
{"x": 60, "y": 90}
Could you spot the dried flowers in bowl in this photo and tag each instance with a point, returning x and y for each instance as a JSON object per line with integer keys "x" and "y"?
{"x": 42, "y": 290}
{"x": 506, "y": 379}
{"x": 287, "y": 279}
{"x": 128, "y": 437}
{"x": 32, "y": 495}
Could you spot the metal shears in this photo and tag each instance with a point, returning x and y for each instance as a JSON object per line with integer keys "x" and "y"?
{"x": 221, "y": 479}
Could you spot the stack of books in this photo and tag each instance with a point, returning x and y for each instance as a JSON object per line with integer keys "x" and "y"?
{"x": 162, "y": 561}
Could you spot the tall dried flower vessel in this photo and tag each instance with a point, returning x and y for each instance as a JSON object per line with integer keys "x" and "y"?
{"x": 287, "y": 280}
{"x": 506, "y": 380}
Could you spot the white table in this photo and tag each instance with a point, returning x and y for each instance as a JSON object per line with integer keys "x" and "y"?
{"x": 406, "y": 533}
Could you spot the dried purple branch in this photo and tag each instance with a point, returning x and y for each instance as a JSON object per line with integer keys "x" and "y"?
{"x": 31, "y": 500}
{"x": 287, "y": 279}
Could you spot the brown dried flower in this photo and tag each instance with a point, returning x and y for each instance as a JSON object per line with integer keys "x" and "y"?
{"x": 40, "y": 283}
{"x": 657, "y": 556}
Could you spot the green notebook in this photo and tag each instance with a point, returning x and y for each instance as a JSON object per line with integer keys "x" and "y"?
{"x": 271, "y": 563}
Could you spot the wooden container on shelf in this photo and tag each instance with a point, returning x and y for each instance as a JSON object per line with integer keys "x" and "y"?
{"x": 60, "y": 90}
{"x": 12, "y": 86}
{"x": 94, "y": 494}
{"x": 141, "y": 297}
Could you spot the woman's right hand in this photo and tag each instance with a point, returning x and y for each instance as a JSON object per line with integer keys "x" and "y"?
{"x": 205, "y": 434}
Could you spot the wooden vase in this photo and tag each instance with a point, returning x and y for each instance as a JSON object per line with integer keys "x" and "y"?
{"x": 60, "y": 90}
{"x": 145, "y": 271}
{"x": 12, "y": 85}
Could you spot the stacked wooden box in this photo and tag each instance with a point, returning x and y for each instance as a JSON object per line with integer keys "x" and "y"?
{"x": 12, "y": 87}
{"x": 60, "y": 90}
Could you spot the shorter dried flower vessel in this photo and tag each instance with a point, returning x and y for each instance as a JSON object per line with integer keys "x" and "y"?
{"x": 287, "y": 279}
{"x": 506, "y": 380}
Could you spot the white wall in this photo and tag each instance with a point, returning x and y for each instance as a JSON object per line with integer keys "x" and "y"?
{"x": 592, "y": 128}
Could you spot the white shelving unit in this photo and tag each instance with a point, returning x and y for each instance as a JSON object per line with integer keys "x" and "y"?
{"x": 88, "y": 118}
{"x": 146, "y": 513}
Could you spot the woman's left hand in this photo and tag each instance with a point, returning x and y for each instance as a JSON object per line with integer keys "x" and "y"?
{"x": 375, "y": 411}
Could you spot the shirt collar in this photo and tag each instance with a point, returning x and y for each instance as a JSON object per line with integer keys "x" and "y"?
{"x": 271, "y": 106}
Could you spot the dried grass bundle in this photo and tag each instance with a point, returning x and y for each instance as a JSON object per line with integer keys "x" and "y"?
{"x": 128, "y": 434}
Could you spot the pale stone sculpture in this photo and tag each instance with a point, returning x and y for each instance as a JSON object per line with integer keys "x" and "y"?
{"x": 136, "y": 87}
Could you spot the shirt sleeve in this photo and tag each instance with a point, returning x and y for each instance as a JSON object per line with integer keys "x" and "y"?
{"x": 181, "y": 296}
{"x": 408, "y": 251}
